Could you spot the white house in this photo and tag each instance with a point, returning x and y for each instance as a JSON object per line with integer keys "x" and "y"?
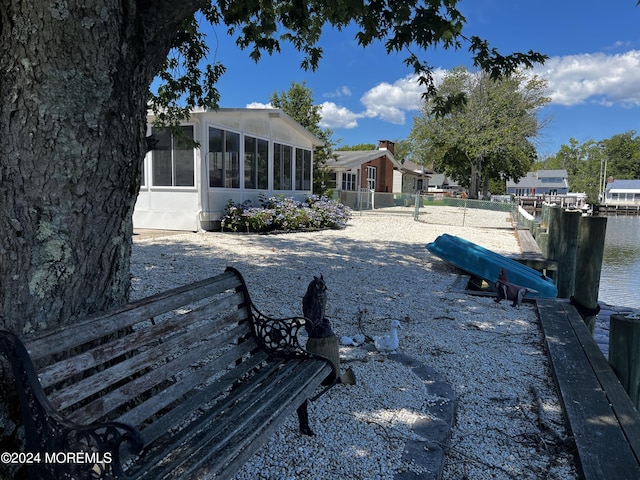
{"x": 242, "y": 153}
{"x": 622, "y": 192}
{"x": 541, "y": 182}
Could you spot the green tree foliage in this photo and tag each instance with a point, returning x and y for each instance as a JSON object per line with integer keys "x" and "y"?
{"x": 298, "y": 103}
{"x": 622, "y": 152}
{"x": 590, "y": 163}
{"x": 357, "y": 147}
{"x": 485, "y": 130}
{"x": 406, "y": 26}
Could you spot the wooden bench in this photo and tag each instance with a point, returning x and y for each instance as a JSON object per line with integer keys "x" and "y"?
{"x": 599, "y": 413}
{"x": 184, "y": 384}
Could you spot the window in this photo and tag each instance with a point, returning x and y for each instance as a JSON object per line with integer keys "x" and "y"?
{"x": 224, "y": 158}
{"x": 371, "y": 178}
{"x": 256, "y": 163}
{"x": 303, "y": 169}
{"x": 282, "y": 160}
{"x": 173, "y": 158}
{"x": 349, "y": 181}
{"x": 332, "y": 180}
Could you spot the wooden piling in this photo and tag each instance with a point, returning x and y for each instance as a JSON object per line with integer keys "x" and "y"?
{"x": 553, "y": 240}
{"x": 591, "y": 236}
{"x": 624, "y": 353}
{"x": 567, "y": 253}
{"x": 563, "y": 247}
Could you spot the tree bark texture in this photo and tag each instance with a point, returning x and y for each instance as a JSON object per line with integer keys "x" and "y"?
{"x": 74, "y": 78}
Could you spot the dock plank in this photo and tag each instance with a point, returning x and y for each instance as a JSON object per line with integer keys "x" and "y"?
{"x": 596, "y": 412}
{"x": 531, "y": 254}
{"x": 619, "y": 400}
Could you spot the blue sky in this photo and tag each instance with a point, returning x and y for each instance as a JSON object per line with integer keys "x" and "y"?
{"x": 366, "y": 95}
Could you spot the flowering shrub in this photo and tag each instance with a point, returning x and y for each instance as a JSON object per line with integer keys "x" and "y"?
{"x": 285, "y": 214}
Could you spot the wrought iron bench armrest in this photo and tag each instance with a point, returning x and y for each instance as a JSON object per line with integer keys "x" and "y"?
{"x": 278, "y": 336}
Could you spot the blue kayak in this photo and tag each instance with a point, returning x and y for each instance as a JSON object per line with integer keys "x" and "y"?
{"x": 485, "y": 264}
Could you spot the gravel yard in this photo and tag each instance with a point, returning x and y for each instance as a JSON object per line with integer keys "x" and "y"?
{"x": 509, "y": 420}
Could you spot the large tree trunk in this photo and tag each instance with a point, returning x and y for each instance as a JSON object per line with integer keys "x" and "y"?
{"x": 74, "y": 78}
{"x": 73, "y": 90}
{"x": 474, "y": 181}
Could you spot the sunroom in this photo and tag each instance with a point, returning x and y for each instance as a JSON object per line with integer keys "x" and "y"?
{"x": 243, "y": 154}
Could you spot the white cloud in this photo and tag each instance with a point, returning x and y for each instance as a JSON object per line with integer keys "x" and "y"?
{"x": 259, "y": 105}
{"x": 388, "y": 102}
{"x": 342, "y": 91}
{"x": 597, "y": 78}
{"x": 334, "y": 116}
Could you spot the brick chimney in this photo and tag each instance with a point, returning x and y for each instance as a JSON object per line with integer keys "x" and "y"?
{"x": 386, "y": 145}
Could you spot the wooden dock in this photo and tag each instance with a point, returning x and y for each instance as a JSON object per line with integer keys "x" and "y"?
{"x": 599, "y": 413}
{"x": 618, "y": 209}
{"x": 531, "y": 254}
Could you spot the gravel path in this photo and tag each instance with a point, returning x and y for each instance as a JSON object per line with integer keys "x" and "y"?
{"x": 377, "y": 270}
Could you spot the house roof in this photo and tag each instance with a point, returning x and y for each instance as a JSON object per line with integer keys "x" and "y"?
{"x": 552, "y": 174}
{"x": 440, "y": 179}
{"x": 348, "y": 159}
{"x": 268, "y": 113}
{"x": 541, "y": 178}
{"x": 409, "y": 166}
{"x": 623, "y": 186}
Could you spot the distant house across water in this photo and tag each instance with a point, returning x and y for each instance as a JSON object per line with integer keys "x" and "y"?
{"x": 622, "y": 192}
{"x": 541, "y": 182}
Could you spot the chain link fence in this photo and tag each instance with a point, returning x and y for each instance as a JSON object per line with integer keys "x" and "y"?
{"x": 436, "y": 209}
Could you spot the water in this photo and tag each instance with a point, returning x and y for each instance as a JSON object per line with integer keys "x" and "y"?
{"x": 620, "y": 277}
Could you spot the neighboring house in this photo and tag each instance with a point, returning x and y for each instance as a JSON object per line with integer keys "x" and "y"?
{"x": 441, "y": 184}
{"x": 622, "y": 192}
{"x": 376, "y": 170}
{"x": 542, "y": 182}
{"x": 243, "y": 153}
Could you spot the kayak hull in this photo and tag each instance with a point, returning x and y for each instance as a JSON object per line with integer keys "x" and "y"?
{"x": 486, "y": 264}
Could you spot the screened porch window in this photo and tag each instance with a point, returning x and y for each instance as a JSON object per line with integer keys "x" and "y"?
{"x": 224, "y": 158}
{"x": 256, "y": 163}
{"x": 282, "y": 166}
{"x": 303, "y": 169}
{"x": 173, "y": 158}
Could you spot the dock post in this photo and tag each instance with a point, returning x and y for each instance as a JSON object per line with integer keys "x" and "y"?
{"x": 553, "y": 229}
{"x": 591, "y": 235}
{"x": 624, "y": 353}
{"x": 562, "y": 246}
{"x": 567, "y": 253}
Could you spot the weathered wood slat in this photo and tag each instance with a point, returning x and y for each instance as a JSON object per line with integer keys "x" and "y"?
{"x": 63, "y": 370}
{"x": 218, "y": 446}
{"x": 181, "y": 442}
{"x": 240, "y": 449}
{"x": 181, "y": 411}
{"x": 66, "y": 337}
{"x": 619, "y": 400}
{"x": 182, "y": 375}
{"x": 164, "y": 372}
{"x": 153, "y": 365}
{"x": 603, "y": 449}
